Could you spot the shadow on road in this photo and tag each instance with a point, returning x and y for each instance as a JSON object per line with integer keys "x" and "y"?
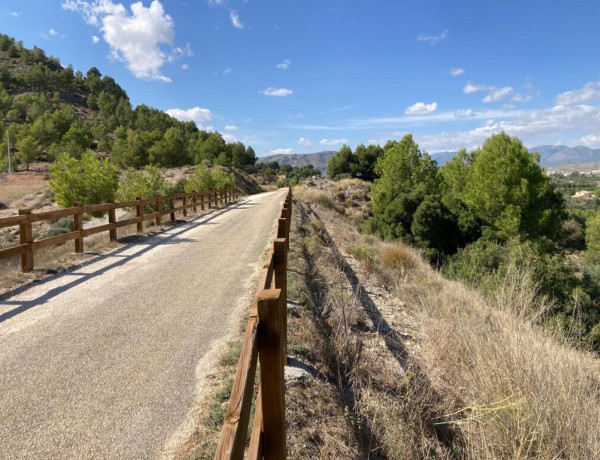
{"x": 149, "y": 243}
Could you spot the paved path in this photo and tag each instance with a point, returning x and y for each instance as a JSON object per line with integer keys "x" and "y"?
{"x": 100, "y": 362}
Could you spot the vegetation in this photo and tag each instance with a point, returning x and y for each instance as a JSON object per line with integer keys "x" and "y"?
{"x": 51, "y": 110}
{"x": 87, "y": 181}
{"x": 359, "y": 164}
{"x": 486, "y": 215}
{"x": 204, "y": 178}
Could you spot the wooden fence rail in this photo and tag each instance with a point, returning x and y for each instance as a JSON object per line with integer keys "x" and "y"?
{"x": 264, "y": 342}
{"x": 162, "y": 205}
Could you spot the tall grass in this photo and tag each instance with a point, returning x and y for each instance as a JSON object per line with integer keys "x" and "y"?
{"x": 513, "y": 390}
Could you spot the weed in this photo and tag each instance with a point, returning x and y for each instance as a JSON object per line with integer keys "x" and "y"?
{"x": 365, "y": 255}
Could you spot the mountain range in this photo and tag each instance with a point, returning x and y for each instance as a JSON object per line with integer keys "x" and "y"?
{"x": 550, "y": 155}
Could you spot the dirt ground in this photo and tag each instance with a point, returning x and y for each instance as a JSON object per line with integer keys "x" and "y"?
{"x": 14, "y": 187}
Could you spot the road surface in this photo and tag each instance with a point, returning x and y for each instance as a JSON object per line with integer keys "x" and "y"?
{"x": 100, "y": 362}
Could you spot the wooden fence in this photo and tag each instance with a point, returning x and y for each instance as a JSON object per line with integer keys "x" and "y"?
{"x": 26, "y": 218}
{"x": 264, "y": 342}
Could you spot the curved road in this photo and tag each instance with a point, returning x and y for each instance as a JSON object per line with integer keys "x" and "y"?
{"x": 100, "y": 362}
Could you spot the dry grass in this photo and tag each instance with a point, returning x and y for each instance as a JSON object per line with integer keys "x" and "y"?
{"x": 480, "y": 378}
{"x": 315, "y": 196}
{"x": 512, "y": 390}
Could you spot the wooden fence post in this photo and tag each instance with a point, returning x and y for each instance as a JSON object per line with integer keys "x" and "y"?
{"x": 78, "y": 226}
{"x": 112, "y": 219}
{"x": 194, "y": 201}
{"x": 271, "y": 374}
{"x": 172, "y": 204}
{"x": 184, "y": 203}
{"x": 202, "y": 201}
{"x": 139, "y": 212}
{"x": 157, "y": 209}
{"x": 284, "y": 215}
{"x": 26, "y": 237}
{"x": 280, "y": 272}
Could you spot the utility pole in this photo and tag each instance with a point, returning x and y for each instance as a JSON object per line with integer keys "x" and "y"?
{"x": 9, "y": 161}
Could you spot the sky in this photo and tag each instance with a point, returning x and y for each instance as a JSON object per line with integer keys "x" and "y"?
{"x": 292, "y": 76}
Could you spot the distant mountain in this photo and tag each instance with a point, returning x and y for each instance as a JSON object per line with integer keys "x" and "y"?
{"x": 550, "y": 155}
{"x": 318, "y": 159}
{"x": 555, "y": 155}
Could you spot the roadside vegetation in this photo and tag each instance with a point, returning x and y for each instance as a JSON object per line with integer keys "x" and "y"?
{"x": 426, "y": 366}
{"x": 486, "y": 215}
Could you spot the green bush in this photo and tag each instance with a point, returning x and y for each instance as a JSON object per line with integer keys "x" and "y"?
{"x": 365, "y": 255}
{"x": 60, "y": 227}
{"x": 145, "y": 183}
{"x": 204, "y": 178}
{"x": 88, "y": 181}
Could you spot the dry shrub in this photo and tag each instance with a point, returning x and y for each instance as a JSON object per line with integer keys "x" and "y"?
{"x": 513, "y": 391}
{"x": 313, "y": 196}
{"x": 398, "y": 258}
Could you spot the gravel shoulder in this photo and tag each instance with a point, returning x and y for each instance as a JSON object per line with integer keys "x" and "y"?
{"x": 102, "y": 361}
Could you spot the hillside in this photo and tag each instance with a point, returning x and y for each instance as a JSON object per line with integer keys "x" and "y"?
{"x": 318, "y": 159}
{"x": 49, "y": 110}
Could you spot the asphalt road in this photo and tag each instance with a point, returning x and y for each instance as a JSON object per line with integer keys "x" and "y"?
{"x": 101, "y": 362}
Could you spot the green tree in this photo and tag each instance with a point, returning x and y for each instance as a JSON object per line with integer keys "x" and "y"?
{"x": 201, "y": 179}
{"x": 366, "y": 160}
{"x": 507, "y": 188}
{"x": 342, "y": 162}
{"x": 88, "y": 181}
{"x": 28, "y": 150}
{"x": 144, "y": 183}
{"x": 407, "y": 176}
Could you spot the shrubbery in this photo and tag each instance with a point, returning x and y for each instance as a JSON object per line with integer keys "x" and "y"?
{"x": 204, "y": 178}
{"x": 88, "y": 181}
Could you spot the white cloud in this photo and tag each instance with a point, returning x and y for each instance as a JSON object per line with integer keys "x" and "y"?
{"x": 420, "y": 108}
{"x": 235, "y": 19}
{"x": 281, "y": 152}
{"x": 529, "y": 127}
{"x": 217, "y": 2}
{"x": 433, "y": 39}
{"x": 468, "y": 113}
{"x": 497, "y": 94}
{"x": 494, "y": 94}
{"x": 471, "y": 88}
{"x": 15, "y": 14}
{"x": 284, "y": 64}
{"x": 52, "y": 32}
{"x": 304, "y": 141}
{"x": 455, "y": 72}
{"x": 591, "y": 140}
{"x": 228, "y": 137}
{"x": 178, "y": 52}
{"x": 196, "y": 114}
{"x": 278, "y": 92}
{"x": 231, "y": 128}
{"x": 522, "y": 97}
{"x": 589, "y": 91}
{"x": 185, "y": 66}
{"x": 95, "y": 39}
{"x": 134, "y": 38}
{"x": 333, "y": 141}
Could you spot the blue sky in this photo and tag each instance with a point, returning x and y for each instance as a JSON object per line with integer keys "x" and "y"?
{"x": 304, "y": 76}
